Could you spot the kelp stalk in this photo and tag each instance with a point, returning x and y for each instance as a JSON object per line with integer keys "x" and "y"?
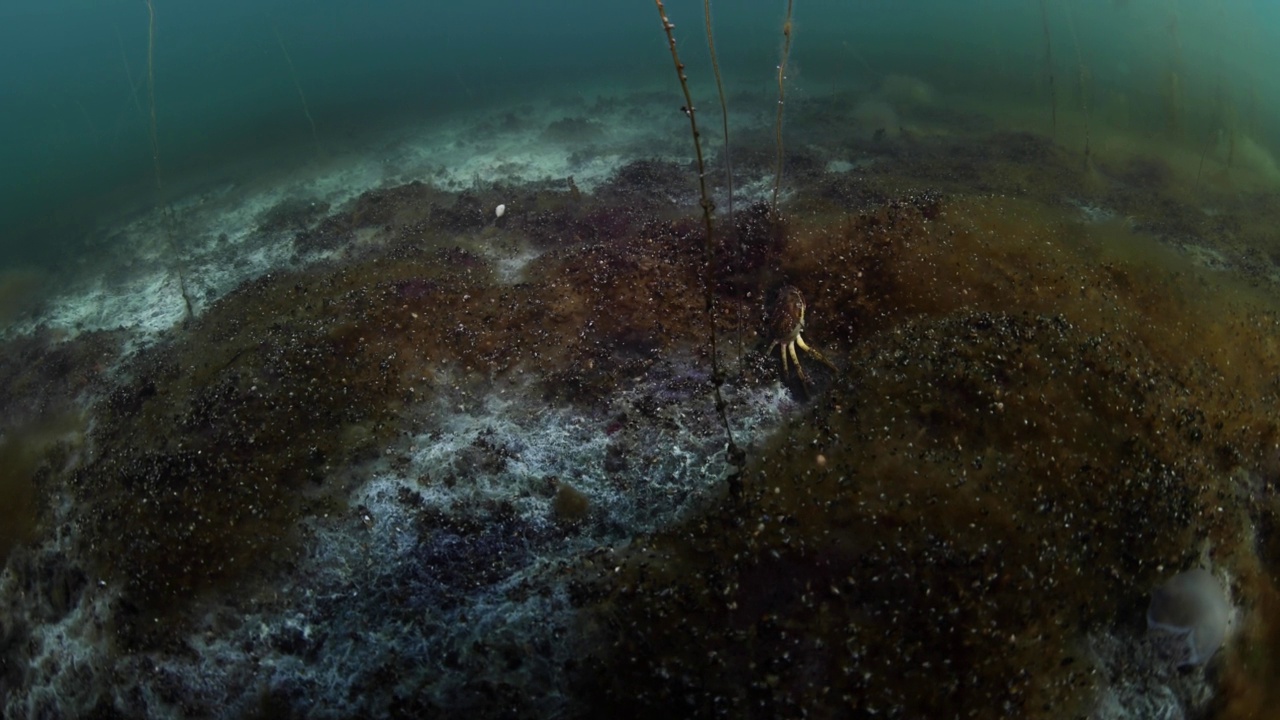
{"x": 782, "y": 98}
{"x": 735, "y": 454}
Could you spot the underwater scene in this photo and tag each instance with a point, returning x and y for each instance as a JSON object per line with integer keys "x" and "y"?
{"x": 636, "y": 359}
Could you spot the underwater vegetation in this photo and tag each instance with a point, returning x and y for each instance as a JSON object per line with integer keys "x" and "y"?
{"x": 1016, "y": 448}
{"x": 531, "y": 449}
{"x": 1007, "y": 457}
{"x": 1037, "y": 418}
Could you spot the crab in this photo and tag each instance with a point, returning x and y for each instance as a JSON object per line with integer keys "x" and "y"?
{"x": 785, "y": 324}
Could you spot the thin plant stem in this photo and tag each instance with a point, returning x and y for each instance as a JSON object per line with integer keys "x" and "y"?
{"x": 735, "y": 454}
{"x": 167, "y": 210}
{"x": 724, "y": 107}
{"x": 782, "y": 98}
{"x": 1084, "y": 86}
{"x": 728, "y": 162}
{"x": 293, "y": 74}
{"x": 1048, "y": 62}
{"x": 151, "y": 90}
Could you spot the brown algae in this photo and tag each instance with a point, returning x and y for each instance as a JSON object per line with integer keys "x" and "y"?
{"x": 1047, "y": 403}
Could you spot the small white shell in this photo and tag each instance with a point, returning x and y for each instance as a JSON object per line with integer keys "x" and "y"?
{"x": 500, "y": 211}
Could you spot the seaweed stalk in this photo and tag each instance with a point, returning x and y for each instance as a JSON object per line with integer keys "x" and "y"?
{"x": 1174, "y": 78}
{"x": 782, "y": 97}
{"x": 734, "y": 453}
{"x": 1084, "y": 87}
{"x": 128, "y": 73}
{"x": 155, "y": 160}
{"x": 1048, "y": 61}
{"x": 728, "y": 162}
{"x": 293, "y": 73}
{"x": 724, "y": 108}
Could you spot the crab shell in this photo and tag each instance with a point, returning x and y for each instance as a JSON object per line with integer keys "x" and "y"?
{"x": 787, "y": 319}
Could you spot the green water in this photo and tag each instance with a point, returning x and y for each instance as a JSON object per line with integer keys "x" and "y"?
{"x": 75, "y": 106}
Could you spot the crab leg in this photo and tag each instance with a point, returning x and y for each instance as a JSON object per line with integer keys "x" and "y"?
{"x": 811, "y": 351}
{"x": 795, "y": 359}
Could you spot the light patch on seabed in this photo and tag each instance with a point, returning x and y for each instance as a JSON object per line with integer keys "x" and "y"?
{"x": 671, "y": 460}
{"x": 1206, "y": 257}
{"x": 148, "y": 303}
{"x": 354, "y": 568}
{"x": 511, "y": 267}
{"x": 67, "y": 650}
{"x": 220, "y": 245}
{"x": 1137, "y": 682}
{"x": 760, "y": 190}
{"x": 1138, "y": 671}
{"x": 373, "y": 587}
{"x": 526, "y": 609}
{"x": 1092, "y": 213}
{"x": 534, "y": 443}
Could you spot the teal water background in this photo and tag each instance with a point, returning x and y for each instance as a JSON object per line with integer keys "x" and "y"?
{"x": 75, "y": 151}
